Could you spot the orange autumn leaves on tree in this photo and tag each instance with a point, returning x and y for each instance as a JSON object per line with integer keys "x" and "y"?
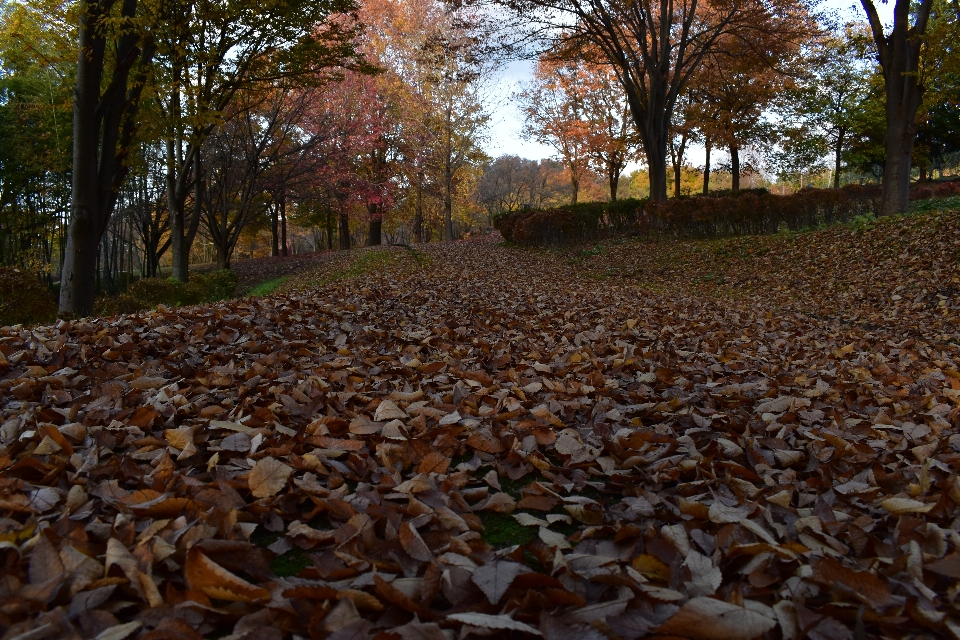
{"x": 576, "y": 107}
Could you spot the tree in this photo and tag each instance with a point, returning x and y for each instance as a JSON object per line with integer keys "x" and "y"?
{"x": 37, "y": 62}
{"x": 739, "y": 84}
{"x": 655, "y": 47}
{"x": 511, "y": 183}
{"x": 899, "y": 55}
{"x": 611, "y": 139}
{"x": 553, "y": 106}
{"x": 829, "y": 102}
{"x": 113, "y": 63}
{"x": 259, "y": 134}
{"x": 216, "y": 49}
{"x": 938, "y": 119}
{"x": 453, "y": 68}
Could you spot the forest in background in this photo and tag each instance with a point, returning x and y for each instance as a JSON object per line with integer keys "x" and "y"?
{"x": 235, "y": 131}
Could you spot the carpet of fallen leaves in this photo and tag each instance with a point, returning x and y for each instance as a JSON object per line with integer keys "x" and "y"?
{"x": 253, "y": 271}
{"x": 482, "y": 442}
{"x": 902, "y": 273}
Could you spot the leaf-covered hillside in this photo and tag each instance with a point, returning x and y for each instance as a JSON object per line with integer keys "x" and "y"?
{"x": 481, "y": 441}
{"x": 902, "y": 273}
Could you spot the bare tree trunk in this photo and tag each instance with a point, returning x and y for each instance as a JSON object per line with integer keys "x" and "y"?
{"x": 103, "y": 126}
{"x": 418, "y": 216}
{"x": 183, "y": 228}
{"x": 656, "y": 151}
{"x": 275, "y": 229}
{"x": 613, "y": 175}
{"x": 344, "y": 231}
{"x": 574, "y": 183}
{"x": 735, "y": 167}
{"x": 448, "y": 216}
{"x": 899, "y": 55}
{"x": 283, "y": 223}
{"x": 329, "y": 229}
{"x": 223, "y": 255}
{"x": 836, "y": 159}
{"x": 375, "y": 233}
{"x": 706, "y": 168}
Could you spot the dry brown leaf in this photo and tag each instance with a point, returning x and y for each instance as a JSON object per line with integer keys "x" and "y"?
{"x": 207, "y": 577}
{"x": 268, "y": 477}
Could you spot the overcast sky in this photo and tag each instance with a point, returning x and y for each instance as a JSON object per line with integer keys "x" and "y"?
{"x": 507, "y": 120}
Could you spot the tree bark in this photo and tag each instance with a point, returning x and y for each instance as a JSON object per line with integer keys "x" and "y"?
{"x": 275, "y": 229}
{"x": 183, "y": 228}
{"x": 655, "y": 146}
{"x": 329, "y": 229}
{"x": 104, "y": 123}
{"x": 448, "y": 215}
{"x": 375, "y": 233}
{"x": 613, "y": 175}
{"x": 706, "y": 169}
{"x": 344, "y": 231}
{"x": 899, "y": 55}
{"x": 574, "y": 183}
{"x": 283, "y": 224}
{"x": 735, "y": 168}
{"x": 418, "y": 216}
{"x": 836, "y": 159}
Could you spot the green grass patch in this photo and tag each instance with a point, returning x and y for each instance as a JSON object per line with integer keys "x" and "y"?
{"x": 513, "y": 487}
{"x": 268, "y": 287}
{"x": 287, "y": 564}
{"x": 371, "y": 261}
{"x": 935, "y": 204}
{"x": 502, "y": 530}
{"x": 290, "y": 563}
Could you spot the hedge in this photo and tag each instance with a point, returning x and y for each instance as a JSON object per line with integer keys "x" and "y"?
{"x": 749, "y": 212}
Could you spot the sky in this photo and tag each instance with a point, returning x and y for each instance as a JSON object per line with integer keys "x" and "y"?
{"x": 507, "y": 120}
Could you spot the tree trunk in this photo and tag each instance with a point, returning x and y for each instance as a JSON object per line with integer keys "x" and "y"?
{"x": 677, "y": 152}
{"x": 103, "y": 127}
{"x": 899, "y": 55}
{"x": 838, "y": 150}
{"x": 613, "y": 175}
{"x": 329, "y": 229}
{"x": 418, "y": 216}
{"x": 655, "y": 146}
{"x": 735, "y": 168}
{"x": 448, "y": 216}
{"x": 706, "y": 169}
{"x": 344, "y": 232}
{"x": 183, "y": 228}
{"x": 223, "y": 255}
{"x": 375, "y": 233}
{"x": 574, "y": 183}
{"x": 275, "y": 229}
{"x": 283, "y": 223}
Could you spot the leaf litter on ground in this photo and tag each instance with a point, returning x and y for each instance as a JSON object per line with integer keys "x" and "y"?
{"x": 480, "y": 443}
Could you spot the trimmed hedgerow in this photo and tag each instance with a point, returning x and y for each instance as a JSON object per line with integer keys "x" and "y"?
{"x": 749, "y": 212}
{"x": 569, "y": 223}
{"x": 24, "y": 299}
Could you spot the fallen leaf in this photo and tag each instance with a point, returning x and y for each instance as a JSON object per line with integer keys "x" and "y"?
{"x": 268, "y": 477}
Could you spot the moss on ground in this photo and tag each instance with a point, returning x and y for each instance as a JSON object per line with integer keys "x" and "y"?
{"x": 502, "y": 529}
